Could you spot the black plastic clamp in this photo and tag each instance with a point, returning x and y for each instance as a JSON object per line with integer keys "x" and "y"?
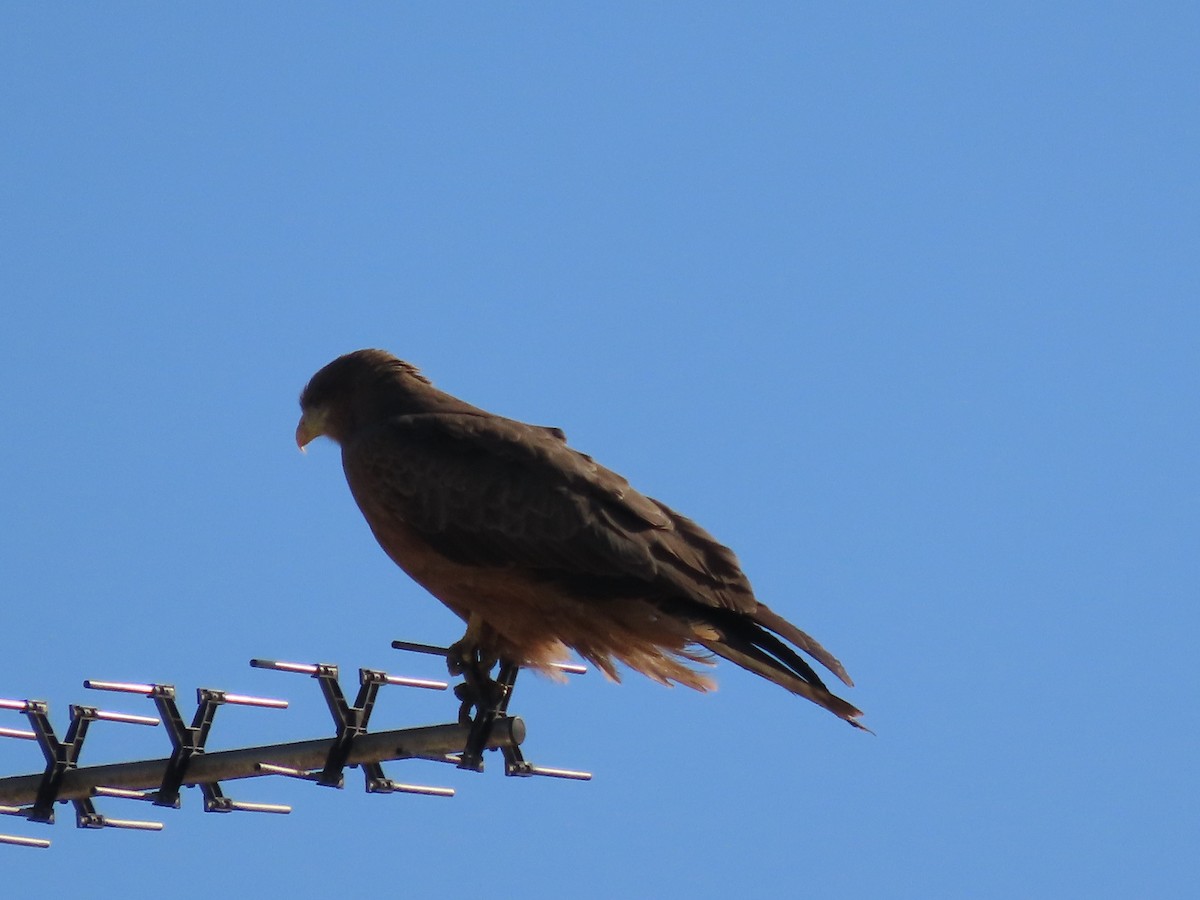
{"x": 62, "y": 756}
{"x": 488, "y": 698}
{"x": 188, "y": 741}
{"x": 350, "y": 721}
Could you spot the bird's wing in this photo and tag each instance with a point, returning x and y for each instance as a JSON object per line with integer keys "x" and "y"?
{"x": 484, "y": 490}
{"x": 488, "y": 491}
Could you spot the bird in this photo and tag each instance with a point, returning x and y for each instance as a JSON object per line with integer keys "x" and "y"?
{"x": 538, "y": 548}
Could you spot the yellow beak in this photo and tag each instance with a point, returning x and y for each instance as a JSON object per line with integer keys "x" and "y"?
{"x": 306, "y": 431}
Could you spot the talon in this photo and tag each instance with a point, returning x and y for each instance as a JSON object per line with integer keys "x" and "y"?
{"x": 464, "y": 711}
{"x": 462, "y": 656}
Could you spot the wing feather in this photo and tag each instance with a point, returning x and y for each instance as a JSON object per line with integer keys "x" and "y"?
{"x": 490, "y": 491}
{"x": 485, "y": 490}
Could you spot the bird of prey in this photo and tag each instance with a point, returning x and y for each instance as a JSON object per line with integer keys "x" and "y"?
{"x": 539, "y": 548}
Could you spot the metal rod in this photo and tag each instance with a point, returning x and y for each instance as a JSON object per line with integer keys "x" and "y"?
{"x": 18, "y": 734}
{"x": 133, "y": 824}
{"x": 414, "y": 647}
{"x": 243, "y": 806}
{"x": 18, "y": 705}
{"x": 560, "y": 773}
{"x": 244, "y": 700}
{"x": 277, "y": 665}
{"x": 311, "y": 669}
{"x": 24, "y": 841}
{"x": 418, "y": 789}
{"x": 129, "y": 718}
{"x": 269, "y": 769}
{"x": 416, "y": 682}
{"x": 123, "y": 686}
{"x": 225, "y": 765}
{"x": 433, "y": 650}
{"x": 104, "y": 791}
{"x": 570, "y": 668}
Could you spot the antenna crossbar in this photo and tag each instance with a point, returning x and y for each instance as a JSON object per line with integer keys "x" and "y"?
{"x": 226, "y": 765}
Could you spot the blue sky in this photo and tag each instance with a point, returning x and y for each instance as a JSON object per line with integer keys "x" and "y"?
{"x": 899, "y": 301}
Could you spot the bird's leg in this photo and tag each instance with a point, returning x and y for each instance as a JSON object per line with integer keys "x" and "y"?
{"x": 478, "y": 691}
{"x": 467, "y": 651}
{"x": 484, "y": 699}
{"x": 473, "y": 659}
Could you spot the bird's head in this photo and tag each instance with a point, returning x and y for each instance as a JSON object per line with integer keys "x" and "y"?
{"x": 356, "y": 390}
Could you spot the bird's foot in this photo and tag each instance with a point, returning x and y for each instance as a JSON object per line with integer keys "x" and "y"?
{"x": 469, "y": 652}
{"x": 478, "y": 691}
{"x": 484, "y": 701}
{"x": 465, "y": 655}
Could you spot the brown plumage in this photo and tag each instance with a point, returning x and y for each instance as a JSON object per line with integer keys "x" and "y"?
{"x": 538, "y": 547}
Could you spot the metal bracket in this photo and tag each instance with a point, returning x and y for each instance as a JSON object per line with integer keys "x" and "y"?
{"x": 188, "y": 741}
{"x": 483, "y": 723}
{"x": 350, "y": 721}
{"x": 62, "y": 756}
{"x": 489, "y": 698}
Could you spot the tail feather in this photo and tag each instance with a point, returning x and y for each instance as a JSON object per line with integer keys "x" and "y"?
{"x": 748, "y": 656}
{"x": 744, "y": 639}
{"x": 768, "y": 618}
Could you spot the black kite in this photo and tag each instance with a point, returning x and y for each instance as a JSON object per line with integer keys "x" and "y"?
{"x": 538, "y": 547}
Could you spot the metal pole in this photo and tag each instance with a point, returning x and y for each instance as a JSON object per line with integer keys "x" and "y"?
{"x": 434, "y": 741}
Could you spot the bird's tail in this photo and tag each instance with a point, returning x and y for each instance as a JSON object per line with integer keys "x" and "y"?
{"x": 750, "y": 641}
